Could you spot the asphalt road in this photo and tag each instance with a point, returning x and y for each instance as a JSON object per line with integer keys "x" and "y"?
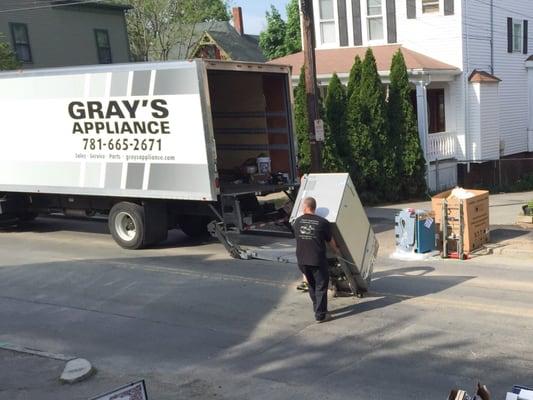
{"x": 196, "y": 324}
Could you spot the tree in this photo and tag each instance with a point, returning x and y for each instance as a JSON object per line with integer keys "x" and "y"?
{"x": 354, "y": 80}
{"x": 156, "y": 27}
{"x": 373, "y": 168}
{"x": 337, "y": 141}
{"x": 293, "y": 33}
{"x": 302, "y": 125}
{"x": 404, "y": 131}
{"x": 8, "y": 59}
{"x": 373, "y": 110}
{"x": 272, "y": 40}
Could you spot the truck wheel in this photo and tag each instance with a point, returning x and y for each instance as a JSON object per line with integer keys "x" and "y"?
{"x": 28, "y": 217}
{"x": 194, "y": 226}
{"x": 127, "y": 225}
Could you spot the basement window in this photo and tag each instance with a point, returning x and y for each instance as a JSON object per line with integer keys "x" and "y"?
{"x": 430, "y": 6}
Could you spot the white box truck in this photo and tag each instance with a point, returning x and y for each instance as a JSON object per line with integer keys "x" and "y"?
{"x": 151, "y": 145}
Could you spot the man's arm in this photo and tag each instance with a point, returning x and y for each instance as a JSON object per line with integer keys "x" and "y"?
{"x": 331, "y": 240}
{"x": 333, "y": 245}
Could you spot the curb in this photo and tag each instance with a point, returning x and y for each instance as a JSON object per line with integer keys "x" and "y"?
{"x": 76, "y": 369}
{"x": 515, "y": 252}
{"x": 35, "y": 352}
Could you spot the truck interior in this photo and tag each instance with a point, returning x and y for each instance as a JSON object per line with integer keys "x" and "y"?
{"x": 251, "y": 121}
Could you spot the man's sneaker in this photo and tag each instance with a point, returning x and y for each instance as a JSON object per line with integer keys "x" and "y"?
{"x": 304, "y": 287}
{"x": 326, "y": 318}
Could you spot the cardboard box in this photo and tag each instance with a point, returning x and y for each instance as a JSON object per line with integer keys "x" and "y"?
{"x": 476, "y": 218}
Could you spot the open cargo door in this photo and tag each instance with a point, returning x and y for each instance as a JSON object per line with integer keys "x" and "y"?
{"x": 338, "y": 202}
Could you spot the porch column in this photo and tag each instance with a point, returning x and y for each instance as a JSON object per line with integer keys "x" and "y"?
{"x": 423, "y": 124}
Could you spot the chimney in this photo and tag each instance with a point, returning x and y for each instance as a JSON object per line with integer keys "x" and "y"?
{"x": 237, "y": 20}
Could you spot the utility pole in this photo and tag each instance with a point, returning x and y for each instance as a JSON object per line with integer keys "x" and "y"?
{"x": 315, "y": 124}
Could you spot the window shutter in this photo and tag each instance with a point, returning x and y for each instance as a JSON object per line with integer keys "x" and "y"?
{"x": 509, "y": 35}
{"x": 526, "y": 44}
{"x": 411, "y": 9}
{"x": 449, "y": 7}
{"x": 343, "y": 23}
{"x": 391, "y": 21}
{"x": 357, "y": 29}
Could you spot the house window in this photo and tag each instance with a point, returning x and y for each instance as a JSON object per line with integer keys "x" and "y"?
{"x": 375, "y": 20}
{"x": 436, "y": 110}
{"x": 517, "y": 37}
{"x": 430, "y": 6}
{"x": 21, "y": 42}
{"x": 327, "y": 22}
{"x": 103, "y": 46}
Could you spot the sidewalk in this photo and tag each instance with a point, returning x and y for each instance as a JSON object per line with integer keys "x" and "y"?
{"x": 507, "y": 238}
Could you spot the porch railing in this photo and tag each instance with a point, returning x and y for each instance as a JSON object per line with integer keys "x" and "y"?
{"x": 442, "y": 146}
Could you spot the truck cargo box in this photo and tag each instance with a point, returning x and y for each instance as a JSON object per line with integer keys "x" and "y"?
{"x": 173, "y": 130}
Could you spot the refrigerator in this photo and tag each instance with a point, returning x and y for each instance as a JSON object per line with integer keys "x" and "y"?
{"x": 338, "y": 202}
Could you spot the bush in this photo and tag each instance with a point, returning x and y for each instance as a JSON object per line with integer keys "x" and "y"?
{"x": 8, "y": 59}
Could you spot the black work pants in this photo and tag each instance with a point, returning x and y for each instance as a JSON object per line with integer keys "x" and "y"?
{"x": 318, "y": 280}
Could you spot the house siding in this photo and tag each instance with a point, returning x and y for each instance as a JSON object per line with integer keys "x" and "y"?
{"x": 509, "y": 67}
{"x": 435, "y": 35}
{"x": 64, "y": 36}
{"x": 489, "y": 119}
{"x": 474, "y": 126}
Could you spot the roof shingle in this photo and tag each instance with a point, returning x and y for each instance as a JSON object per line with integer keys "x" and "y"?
{"x": 340, "y": 60}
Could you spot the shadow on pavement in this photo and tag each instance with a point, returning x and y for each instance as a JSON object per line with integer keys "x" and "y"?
{"x": 49, "y": 224}
{"x": 156, "y": 314}
{"x": 499, "y": 235}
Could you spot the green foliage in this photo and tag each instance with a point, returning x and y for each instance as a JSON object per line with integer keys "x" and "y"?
{"x": 331, "y": 161}
{"x": 302, "y": 125}
{"x": 155, "y": 27}
{"x": 293, "y": 33}
{"x": 281, "y": 38}
{"x": 404, "y": 137}
{"x": 337, "y": 145}
{"x": 370, "y": 131}
{"x": 8, "y": 59}
{"x": 272, "y": 40}
{"x": 213, "y": 10}
{"x": 354, "y": 80}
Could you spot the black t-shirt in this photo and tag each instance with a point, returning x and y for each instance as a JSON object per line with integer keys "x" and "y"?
{"x": 312, "y": 232}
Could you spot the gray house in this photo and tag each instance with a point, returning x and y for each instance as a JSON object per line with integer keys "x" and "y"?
{"x": 52, "y": 33}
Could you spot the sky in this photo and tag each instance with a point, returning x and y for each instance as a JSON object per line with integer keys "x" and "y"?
{"x": 254, "y": 13}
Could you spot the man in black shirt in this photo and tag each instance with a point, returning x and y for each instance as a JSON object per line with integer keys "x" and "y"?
{"x": 312, "y": 233}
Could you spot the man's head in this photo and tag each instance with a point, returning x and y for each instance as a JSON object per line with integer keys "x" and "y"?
{"x": 309, "y": 205}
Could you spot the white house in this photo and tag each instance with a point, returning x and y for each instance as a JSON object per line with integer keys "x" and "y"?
{"x": 468, "y": 59}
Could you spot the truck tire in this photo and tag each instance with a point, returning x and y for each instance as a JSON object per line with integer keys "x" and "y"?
{"x": 156, "y": 223}
{"x": 127, "y": 225}
{"x": 27, "y": 217}
{"x": 194, "y": 226}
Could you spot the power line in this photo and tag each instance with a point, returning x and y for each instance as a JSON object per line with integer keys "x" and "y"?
{"x": 505, "y": 9}
{"x": 74, "y": 3}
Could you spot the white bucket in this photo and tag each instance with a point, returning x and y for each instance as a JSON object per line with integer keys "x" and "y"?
{"x": 263, "y": 165}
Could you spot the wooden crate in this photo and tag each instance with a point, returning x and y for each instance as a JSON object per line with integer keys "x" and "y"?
{"x": 475, "y": 213}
